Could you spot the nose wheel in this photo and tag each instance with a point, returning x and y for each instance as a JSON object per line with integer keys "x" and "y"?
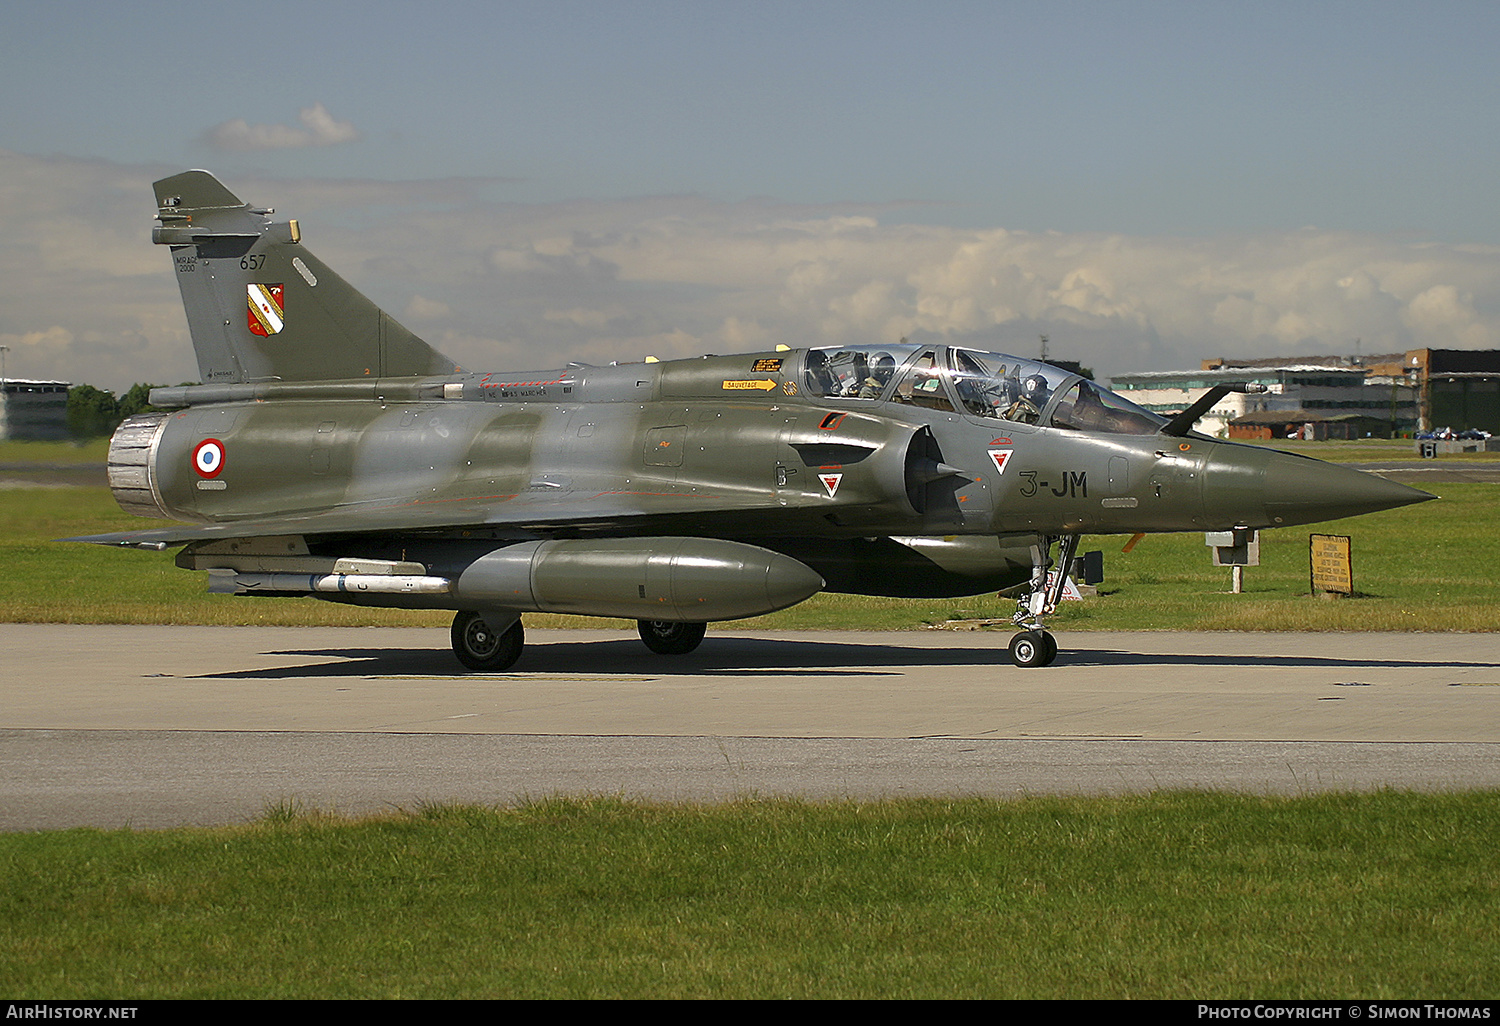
{"x": 1033, "y": 648}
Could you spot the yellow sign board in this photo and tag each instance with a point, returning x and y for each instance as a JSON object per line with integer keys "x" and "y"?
{"x": 1332, "y": 563}
{"x": 762, "y": 385}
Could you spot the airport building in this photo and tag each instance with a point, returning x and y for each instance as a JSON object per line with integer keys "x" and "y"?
{"x": 34, "y": 411}
{"x": 1336, "y": 396}
{"x": 1456, "y": 388}
{"x": 1314, "y": 397}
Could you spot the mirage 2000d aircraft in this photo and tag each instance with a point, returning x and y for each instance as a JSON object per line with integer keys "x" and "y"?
{"x": 330, "y": 452}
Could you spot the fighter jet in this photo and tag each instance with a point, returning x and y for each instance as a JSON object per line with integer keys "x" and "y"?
{"x": 330, "y": 452}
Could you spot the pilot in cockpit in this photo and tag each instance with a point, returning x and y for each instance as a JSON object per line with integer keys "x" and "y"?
{"x": 882, "y": 367}
{"x": 1034, "y": 393}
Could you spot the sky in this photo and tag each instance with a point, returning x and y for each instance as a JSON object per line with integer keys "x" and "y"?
{"x": 522, "y": 184}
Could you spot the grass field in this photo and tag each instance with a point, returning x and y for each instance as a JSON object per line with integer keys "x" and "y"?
{"x": 1172, "y": 895}
{"x": 59, "y": 453}
{"x": 1428, "y": 567}
{"x": 1369, "y": 450}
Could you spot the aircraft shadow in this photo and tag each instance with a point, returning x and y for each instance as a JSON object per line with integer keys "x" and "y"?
{"x": 757, "y": 657}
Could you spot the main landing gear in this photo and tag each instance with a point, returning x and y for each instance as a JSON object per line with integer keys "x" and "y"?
{"x": 486, "y": 648}
{"x": 667, "y": 637}
{"x": 481, "y": 645}
{"x": 1034, "y": 646}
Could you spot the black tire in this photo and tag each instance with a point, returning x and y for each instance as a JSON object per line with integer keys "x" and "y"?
{"x": 667, "y": 637}
{"x": 480, "y": 648}
{"x": 1051, "y": 644}
{"x": 1029, "y": 648}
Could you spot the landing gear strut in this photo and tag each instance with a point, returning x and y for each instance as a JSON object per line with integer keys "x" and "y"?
{"x": 1034, "y": 646}
{"x": 483, "y": 647}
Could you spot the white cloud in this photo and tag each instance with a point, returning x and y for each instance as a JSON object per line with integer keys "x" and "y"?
{"x": 420, "y": 308}
{"x": 592, "y": 320}
{"x": 319, "y": 128}
{"x": 85, "y": 296}
{"x": 1443, "y": 311}
{"x": 49, "y": 338}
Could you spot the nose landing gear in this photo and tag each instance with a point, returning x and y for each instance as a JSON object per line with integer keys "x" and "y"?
{"x": 1034, "y": 646}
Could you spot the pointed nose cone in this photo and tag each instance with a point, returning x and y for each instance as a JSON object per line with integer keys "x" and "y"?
{"x": 789, "y": 581}
{"x": 1299, "y": 490}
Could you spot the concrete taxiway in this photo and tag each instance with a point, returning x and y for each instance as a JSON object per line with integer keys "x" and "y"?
{"x": 155, "y": 726}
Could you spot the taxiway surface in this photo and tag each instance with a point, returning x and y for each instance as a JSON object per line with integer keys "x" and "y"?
{"x": 156, "y": 726}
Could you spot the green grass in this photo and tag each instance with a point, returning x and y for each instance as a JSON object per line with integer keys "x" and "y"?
{"x": 1369, "y": 450}
{"x": 1428, "y": 568}
{"x": 63, "y": 453}
{"x": 47, "y": 582}
{"x": 1171, "y": 895}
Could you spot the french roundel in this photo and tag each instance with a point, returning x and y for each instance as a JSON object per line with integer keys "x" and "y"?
{"x": 208, "y": 457}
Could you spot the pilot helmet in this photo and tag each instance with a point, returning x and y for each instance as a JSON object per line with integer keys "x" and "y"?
{"x": 1034, "y": 387}
{"x": 882, "y": 367}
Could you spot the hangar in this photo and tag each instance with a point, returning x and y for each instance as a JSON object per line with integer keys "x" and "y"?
{"x": 33, "y": 411}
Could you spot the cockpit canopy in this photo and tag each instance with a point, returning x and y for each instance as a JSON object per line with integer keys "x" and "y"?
{"x": 979, "y": 384}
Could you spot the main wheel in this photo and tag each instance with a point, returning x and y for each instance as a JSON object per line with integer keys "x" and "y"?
{"x": 666, "y": 637}
{"x": 1032, "y": 648}
{"x": 481, "y": 648}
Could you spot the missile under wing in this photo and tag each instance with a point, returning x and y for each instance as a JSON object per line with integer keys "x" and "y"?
{"x": 330, "y": 452}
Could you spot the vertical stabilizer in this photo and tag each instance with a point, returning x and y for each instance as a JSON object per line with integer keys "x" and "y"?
{"x": 261, "y": 307}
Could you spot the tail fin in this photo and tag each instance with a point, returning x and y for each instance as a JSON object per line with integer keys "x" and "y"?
{"x": 261, "y": 307}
